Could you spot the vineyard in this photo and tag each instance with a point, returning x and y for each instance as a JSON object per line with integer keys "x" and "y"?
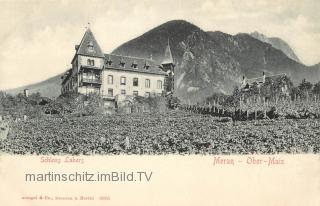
{"x": 172, "y": 132}
{"x": 260, "y": 120}
{"x": 285, "y": 109}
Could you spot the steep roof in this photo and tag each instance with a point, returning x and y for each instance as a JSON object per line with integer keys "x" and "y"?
{"x": 260, "y": 79}
{"x": 89, "y": 45}
{"x": 167, "y": 55}
{"x": 252, "y": 80}
{"x": 133, "y": 64}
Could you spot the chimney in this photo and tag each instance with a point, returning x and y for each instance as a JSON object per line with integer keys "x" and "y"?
{"x": 76, "y": 47}
{"x": 26, "y": 92}
{"x": 244, "y": 81}
{"x": 263, "y": 77}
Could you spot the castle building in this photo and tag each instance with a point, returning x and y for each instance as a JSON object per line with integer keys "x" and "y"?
{"x": 115, "y": 76}
{"x": 259, "y": 81}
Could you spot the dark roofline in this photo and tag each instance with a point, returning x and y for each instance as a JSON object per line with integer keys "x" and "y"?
{"x": 135, "y": 71}
{"x": 79, "y": 45}
{"x": 154, "y": 68}
{"x": 88, "y": 31}
{"x": 259, "y": 80}
{"x": 275, "y": 75}
{"x": 132, "y": 57}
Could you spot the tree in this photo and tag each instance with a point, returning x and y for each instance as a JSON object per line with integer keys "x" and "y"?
{"x": 295, "y": 93}
{"x": 267, "y": 89}
{"x": 34, "y": 98}
{"x": 216, "y": 97}
{"x": 71, "y": 102}
{"x": 94, "y": 104}
{"x": 305, "y": 87}
{"x": 316, "y": 90}
{"x": 53, "y": 107}
{"x": 172, "y": 102}
{"x": 234, "y": 100}
{"x": 281, "y": 86}
{"x": 285, "y": 80}
{"x": 254, "y": 90}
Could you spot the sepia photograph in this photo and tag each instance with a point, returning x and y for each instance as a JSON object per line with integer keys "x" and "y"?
{"x": 159, "y": 102}
{"x": 142, "y": 78}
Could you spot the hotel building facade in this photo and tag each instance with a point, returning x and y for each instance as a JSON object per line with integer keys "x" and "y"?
{"x": 115, "y": 76}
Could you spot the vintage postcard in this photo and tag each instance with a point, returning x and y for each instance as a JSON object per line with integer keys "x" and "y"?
{"x": 138, "y": 102}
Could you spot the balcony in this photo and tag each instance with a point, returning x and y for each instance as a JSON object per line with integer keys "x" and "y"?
{"x": 90, "y": 67}
{"x": 108, "y": 97}
{"x": 91, "y": 80}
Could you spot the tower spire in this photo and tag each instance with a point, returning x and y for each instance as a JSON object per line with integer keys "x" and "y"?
{"x": 168, "y": 67}
{"x": 89, "y": 45}
{"x": 167, "y": 55}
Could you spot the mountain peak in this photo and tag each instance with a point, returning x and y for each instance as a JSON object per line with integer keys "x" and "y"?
{"x": 174, "y": 27}
{"x": 207, "y": 62}
{"x": 178, "y": 22}
{"x": 258, "y": 35}
{"x": 277, "y": 43}
{"x": 155, "y": 40}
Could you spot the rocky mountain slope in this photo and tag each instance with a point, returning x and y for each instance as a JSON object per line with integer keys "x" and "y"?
{"x": 276, "y": 43}
{"x": 208, "y": 62}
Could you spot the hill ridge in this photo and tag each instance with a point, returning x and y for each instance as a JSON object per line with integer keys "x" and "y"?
{"x": 211, "y": 61}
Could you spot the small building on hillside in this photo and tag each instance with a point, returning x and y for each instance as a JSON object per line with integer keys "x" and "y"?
{"x": 247, "y": 84}
{"x": 26, "y": 92}
{"x": 112, "y": 76}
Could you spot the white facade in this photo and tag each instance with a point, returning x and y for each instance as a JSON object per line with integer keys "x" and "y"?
{"x": 113, "y": 75}
{"x": 83, "y": 60}
{"x": 148, "y": 84}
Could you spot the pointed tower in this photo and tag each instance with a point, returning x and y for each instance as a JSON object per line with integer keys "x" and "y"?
{"x": 89, "y": 46}
{"x": 167, "y": 60}
{"x": 87, "y": 65}
{"x": 168, "y": 65}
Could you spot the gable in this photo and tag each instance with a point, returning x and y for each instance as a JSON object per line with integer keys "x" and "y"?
{"x": 89, "y": 46}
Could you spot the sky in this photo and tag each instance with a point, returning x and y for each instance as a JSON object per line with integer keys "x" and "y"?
{"x": 38, "y": 37}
